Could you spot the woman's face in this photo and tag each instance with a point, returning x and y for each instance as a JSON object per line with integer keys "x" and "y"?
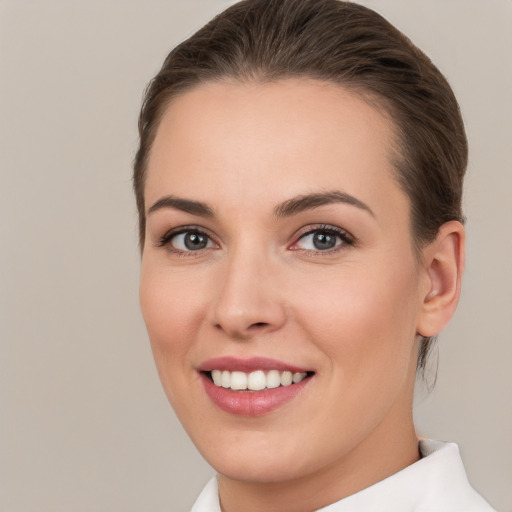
{"x": 278, "y": 242}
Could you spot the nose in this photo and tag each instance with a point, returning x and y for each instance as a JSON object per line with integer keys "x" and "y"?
{"x": 249, "y": 298}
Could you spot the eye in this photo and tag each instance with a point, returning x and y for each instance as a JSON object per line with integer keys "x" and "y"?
{"x": 187, "y": 240}
{"x": 325, "y": 238}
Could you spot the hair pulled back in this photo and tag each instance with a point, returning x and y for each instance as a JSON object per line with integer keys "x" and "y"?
{"x": 340, "y": 42}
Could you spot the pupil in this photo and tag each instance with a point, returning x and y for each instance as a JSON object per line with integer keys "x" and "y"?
{"x": 324, "y": 241}
{"x": 195, "y": 241}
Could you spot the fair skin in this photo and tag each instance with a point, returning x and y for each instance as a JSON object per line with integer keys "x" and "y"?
{"x": 333, "y": 287}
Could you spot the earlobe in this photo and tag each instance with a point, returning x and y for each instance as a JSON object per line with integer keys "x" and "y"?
{"x": 443, "y": 263}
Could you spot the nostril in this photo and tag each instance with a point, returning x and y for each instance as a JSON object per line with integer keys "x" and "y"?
{"x": 258, "y": 324}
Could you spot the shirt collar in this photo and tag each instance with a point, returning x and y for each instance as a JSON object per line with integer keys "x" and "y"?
{"x": 438, "y": 481}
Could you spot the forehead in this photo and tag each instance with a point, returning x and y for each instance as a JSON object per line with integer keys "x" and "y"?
{"x": 226, "y": 140}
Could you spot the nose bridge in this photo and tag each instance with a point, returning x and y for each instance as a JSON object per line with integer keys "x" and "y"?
{"x": 248, "y": 299}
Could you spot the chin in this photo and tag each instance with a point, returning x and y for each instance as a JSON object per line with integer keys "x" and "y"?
{"x": 263, "y": 470}
{"x": 263, "y": 457}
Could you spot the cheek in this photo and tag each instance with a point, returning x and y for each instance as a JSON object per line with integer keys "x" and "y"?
{"x": 365, "y": 327}
{"x": 172, "y": 307}
{"x": 365, "y": 322}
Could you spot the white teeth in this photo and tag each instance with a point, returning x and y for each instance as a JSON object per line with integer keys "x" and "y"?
{"x": 255, "y": 381}
{"x": 273, "y": 379}
{"x": 297, "y": 377}
{"x": 225, "y": 381}
{"x": 238, "y": 380}
{"x": 286, "y": 378}
{"x": 217, "y": 377}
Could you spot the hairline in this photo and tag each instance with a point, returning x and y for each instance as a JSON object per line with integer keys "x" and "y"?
{"x": 381, "y": 105}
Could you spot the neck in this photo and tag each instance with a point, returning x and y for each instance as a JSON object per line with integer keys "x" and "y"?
{"x": 392, "y": 447}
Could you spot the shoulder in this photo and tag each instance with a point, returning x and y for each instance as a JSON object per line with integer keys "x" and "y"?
{"x": 448, "y": 487}
{"x": 208, "y": 500}
{"x": 436, "y": 483}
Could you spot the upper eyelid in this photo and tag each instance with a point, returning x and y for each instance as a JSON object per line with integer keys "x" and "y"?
{"x": 307, "y": 230}
{"x": 170, "y": 233}
{"x": 347, "y": 239}
{"x": 302, "y": 232}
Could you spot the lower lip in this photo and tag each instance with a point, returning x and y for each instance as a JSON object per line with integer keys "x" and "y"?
{"x": 251, "y": 403}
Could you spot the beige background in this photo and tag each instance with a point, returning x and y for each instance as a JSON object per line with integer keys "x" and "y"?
{"x": 84, "y": 425}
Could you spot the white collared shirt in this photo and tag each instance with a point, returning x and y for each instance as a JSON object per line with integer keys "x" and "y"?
{"x": 435, "y": 483}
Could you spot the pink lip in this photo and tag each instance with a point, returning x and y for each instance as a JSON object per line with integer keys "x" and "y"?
{"x": 252, "y": 364}
{"x": 250, "y": 403}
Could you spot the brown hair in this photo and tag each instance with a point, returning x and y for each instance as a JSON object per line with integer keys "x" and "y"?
{"x": 344, "y": 43}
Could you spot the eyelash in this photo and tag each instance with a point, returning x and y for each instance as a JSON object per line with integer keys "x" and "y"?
{"x": 346, "y": 239}
{"x": 167, "y": 237}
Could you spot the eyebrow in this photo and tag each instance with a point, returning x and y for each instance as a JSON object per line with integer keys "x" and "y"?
{"x": 305, "y": 202}
{"x": 291, "y": 207}
{"x": 185, "y": 205}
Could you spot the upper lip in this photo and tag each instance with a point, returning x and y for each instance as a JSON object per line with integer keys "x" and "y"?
{"x": 251, "y": 364}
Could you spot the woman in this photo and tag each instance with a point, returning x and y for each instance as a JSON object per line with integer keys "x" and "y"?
{"x": 299, "y": 183}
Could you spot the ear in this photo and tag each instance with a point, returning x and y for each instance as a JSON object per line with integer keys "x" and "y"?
{"x": 443, "y": 263}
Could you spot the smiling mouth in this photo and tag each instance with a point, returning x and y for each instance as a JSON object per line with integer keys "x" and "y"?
{"x": 256, "y": 380}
